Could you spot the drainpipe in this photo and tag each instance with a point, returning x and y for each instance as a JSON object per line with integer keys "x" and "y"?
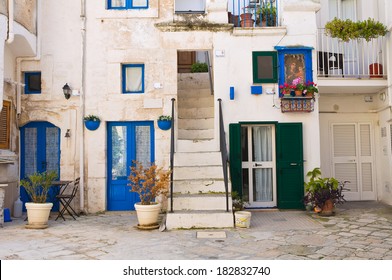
{"x": 11, "y": 34}
{"x": 19, "y": 60}
{"x": 82, "y": 103}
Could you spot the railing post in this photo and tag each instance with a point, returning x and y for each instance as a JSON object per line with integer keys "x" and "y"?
{"x": 172, "y": 155}
{"x": 223, "y": 150}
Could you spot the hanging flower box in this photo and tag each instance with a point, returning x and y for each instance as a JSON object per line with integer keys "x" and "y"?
{"x": 297, "y": 104}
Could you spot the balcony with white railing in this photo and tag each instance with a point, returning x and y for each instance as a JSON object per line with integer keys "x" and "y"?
{"x": 253, "y": 13}
{"x": 343, "y": 66}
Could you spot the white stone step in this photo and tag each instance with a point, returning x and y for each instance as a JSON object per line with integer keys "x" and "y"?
{"x": 197, "y": 158}
{"x": 199, "y": 219}
{"x": 197, "y": 145}
{"x": 207, "y": 123}
{"x": 196, "y": 186}
{"x": 195, "y": 102}
{"x": 198, "y": 172}
{"x": 200, "y": 202}
{"x": 195, "y": 134}
{"x": 196, "y": 113}
{"x": 194, "y": 92}
{"x": 193, "y": 80}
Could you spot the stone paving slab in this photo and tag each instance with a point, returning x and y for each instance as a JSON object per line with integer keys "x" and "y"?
{"x": 280, "y": 235}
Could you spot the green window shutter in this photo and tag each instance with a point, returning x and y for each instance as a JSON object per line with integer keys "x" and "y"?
{"x": 235, "y": 157}
{"x": 265, "y": 65}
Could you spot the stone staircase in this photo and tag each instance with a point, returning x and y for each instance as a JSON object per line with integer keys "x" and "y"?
{"x": 199, "y": 199}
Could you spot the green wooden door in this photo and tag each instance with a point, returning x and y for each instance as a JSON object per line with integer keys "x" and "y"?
{"x": 235, "y": 157}
{"x": 290, "y": 173}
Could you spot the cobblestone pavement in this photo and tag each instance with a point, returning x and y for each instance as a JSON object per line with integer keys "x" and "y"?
{"x": 358, "y": 231}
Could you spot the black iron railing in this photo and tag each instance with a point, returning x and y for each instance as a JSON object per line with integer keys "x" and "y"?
{"x": 209, "y": 71}
{"x": 172, "y": 155}
{"x": 223, "y": 150}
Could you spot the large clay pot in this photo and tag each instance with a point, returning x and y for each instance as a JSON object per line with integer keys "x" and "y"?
{"x": 147, "y": 215}
{"x": 328, "y": 208}
{"x": 38, "y": 214}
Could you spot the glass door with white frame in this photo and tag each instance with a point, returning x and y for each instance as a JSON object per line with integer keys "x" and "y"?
{"x": 258, "y": 165}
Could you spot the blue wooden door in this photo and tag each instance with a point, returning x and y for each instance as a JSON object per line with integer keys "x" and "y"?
{"x": 40, "y": 151}
{"x": 127, "y": 141}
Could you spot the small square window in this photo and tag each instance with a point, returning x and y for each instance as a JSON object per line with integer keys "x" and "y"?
{"x": 265, "y": 67}
{"x": 133, "y": 78}
{"x": 32, "y": 82}
{"x": 127, "y": 4}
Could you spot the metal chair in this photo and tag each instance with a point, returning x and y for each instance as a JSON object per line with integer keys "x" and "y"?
{"x": 66, "y": 199}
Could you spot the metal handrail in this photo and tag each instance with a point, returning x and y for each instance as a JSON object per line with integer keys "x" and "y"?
{"x": 209, "y": 72}
{"x": 172, "y": 155}
{"x": 223, "y": 150}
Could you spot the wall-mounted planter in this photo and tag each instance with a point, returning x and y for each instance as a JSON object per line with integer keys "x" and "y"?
{"x": 92, "y": 125}
{"x": 164, "y": 125}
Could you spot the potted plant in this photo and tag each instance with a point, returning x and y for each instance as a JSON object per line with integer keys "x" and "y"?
{"x": 199, "y": 67}
{"x": 92, "y": 122}
{"x": 148, "y": 182}
{"x": 241, "y": 218}
{"x": 310, "y": 89}
{"x": 164, "y": 122}
{"x": 322, "y": 194}
{"x": 247, "y": 17}
{"x": 37, "y": 186}
{"x": 286, "y": 89}
{"x": 347, "y": 30}
{"x": 267, "y": 14}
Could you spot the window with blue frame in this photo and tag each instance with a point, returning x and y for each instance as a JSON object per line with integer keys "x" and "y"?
{"x": 127, "y": 4}
{"x": 32, "y": 82}
{"x": 133, "y": 78}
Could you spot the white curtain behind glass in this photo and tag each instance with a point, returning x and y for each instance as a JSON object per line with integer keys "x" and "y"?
{"x": 143, "y": 145}
{"x": 134, "y": 79}
{"x": 262, "y": 151}
{"x": 118, "y": 3}
{"x": 139, "y": 3}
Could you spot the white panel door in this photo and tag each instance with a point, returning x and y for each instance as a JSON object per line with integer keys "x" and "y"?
{"x": 353, "y": 160}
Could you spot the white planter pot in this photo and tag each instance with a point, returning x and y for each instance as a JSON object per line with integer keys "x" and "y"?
{"x": 242, "y": 219}
{"x": 147, "y": 215}
{"x": 38, "y": 214}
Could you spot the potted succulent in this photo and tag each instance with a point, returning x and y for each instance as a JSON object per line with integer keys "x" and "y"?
{"x": 92, "y": 122}
{"x": 322, "y": 194}
{"x": 241, "y": 218}
{"x": 37, "y": 186}
{"x": 148, "y": 182}
{"x": 164, "y": 122}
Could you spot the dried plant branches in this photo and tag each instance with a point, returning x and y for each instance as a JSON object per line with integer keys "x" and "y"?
{"x": 148, "y": 182}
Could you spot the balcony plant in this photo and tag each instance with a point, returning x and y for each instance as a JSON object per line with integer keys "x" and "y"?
{"x": 148, "y": 182}
{"x": 287, "y": 89}
{"x": 92, "y": 122}
{"x": 267, "y": 14}
{"x": 37, "y": 186}
{"x": 247, "y": 17}
{"x": 322, "y": 194}
{"x": 347, "y": 30}
{"x": 164, "y": 122}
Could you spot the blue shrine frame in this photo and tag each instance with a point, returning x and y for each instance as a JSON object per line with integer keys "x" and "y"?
{"x": 299, "y": 58}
